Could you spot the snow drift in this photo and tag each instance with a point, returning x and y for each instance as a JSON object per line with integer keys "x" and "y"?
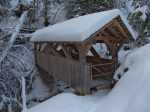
{"x": 130, "y": 94}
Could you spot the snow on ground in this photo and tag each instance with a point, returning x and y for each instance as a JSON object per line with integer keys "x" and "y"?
{"x": 68, "y": 102}
{"x": 73, "y": 30}
{"x": 123, "y": 54}
{"x": 130, "y": 94}
{"x": 41, "y": 92}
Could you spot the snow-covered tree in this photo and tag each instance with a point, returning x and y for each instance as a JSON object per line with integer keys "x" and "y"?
{"x": 4, "y": 9}
{"x": 16, "y": 59}
{"x": 12, "y": 64}
{"x": 82, "y": 7}
{"x": 138, "y": 14}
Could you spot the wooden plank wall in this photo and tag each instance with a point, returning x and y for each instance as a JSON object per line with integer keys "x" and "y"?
{"x": 71, "y": 72}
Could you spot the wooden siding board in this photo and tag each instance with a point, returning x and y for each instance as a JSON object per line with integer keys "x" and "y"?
{"x": 74, "y": 73}
{"x": 86, "y": 79}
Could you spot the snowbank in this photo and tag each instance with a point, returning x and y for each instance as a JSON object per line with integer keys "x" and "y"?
{"x": 130, "y": 94}
{"x": 68, "y": 102}
{"x": 80, "y": 28}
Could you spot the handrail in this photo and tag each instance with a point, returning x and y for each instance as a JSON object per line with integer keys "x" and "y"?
{"x": 103, "y": 64}
{"x": 98, "y": 70}
{"x": 105, "y": 74}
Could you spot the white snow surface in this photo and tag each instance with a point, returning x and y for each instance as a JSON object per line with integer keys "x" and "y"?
{"x": 130, "y": 94}
{"x": 80, "y": 28}
{"x": 67, "y": 102}
{"x": 23, "y": 94}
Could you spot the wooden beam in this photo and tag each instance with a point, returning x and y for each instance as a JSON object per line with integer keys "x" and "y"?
{"x": 100, "y": 38}
{"x": 107, "y": 35}
{"x": 116, "y": 38}
{"x": 120, "y": 28}
{"x": 104, "y": 36}
{"x": 83, "y": 50}
{"x": 55, "y": 45}
{"x": 53, "y": 50}
{"x": 94, "y": 52}
{"x": 115, "y": 52}
{"x": 35, "y": 46}
{"x": 119, "y": 47}
{"x": 44, "y": 48}
{"x": 109, "y": 45}
{"x": 96, "y": 33}
{"x": 74, "y": 47}
{"x": 39, "y": 46}
{"x": 67, "y": 54}
{"x": 113, "y": 32}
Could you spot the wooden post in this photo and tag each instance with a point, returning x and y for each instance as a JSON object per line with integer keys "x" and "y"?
{"x": 67, "y": 54}
{"x": 45, "y": 48}
{"x": 83, "y": 49}
{"x": 86, "y": 70}
{"x": 39, "y": 46}
{"x": 35, "y": 46}
{"x": 53, "y": 50}
{"x": 86, "y": 82}
{"x": 115, "y": 55}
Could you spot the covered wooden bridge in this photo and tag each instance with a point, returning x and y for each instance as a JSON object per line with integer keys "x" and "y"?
{"x": 69, "y": 50}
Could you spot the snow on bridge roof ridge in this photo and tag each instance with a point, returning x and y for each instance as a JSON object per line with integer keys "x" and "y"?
{"x": 80, "y": 28}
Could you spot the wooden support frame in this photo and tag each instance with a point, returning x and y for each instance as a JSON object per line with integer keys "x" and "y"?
{"x": 113, "y": 32}
{"x": 83, "y": 49}
{"x": 39, "y": 46}
{"x": 109, "y": 45}
{"x": 44, "y": 48}
{"x": 74, "y": 54}
{"x": 67, "y": 54}
{"x": 35, "y": 46}
{"x": 119, "y": 47}
{"x": 120, "y": 28}
{"x": 94, "y": 52}
{"x": 51, "y": 49}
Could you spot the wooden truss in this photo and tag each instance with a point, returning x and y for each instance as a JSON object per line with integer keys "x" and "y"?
{"x": 114, "y": 35}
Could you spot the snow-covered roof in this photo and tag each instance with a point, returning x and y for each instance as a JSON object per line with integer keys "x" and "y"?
{"x": 80, "y": 28}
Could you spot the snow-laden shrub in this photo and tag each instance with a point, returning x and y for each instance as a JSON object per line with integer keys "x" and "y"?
{"x": 19, "y": 62}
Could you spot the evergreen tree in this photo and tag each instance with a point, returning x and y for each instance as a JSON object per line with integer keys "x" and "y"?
{"x": 140, "y": 20}
{"x": 4, "y": 9}
{"x": 83, "y": 7}
{"x": 138, "y": 14}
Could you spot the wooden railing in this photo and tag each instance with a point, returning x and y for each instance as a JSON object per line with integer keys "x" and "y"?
{"x": 78, "y": 75}
{"x": 103, "y": 71}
